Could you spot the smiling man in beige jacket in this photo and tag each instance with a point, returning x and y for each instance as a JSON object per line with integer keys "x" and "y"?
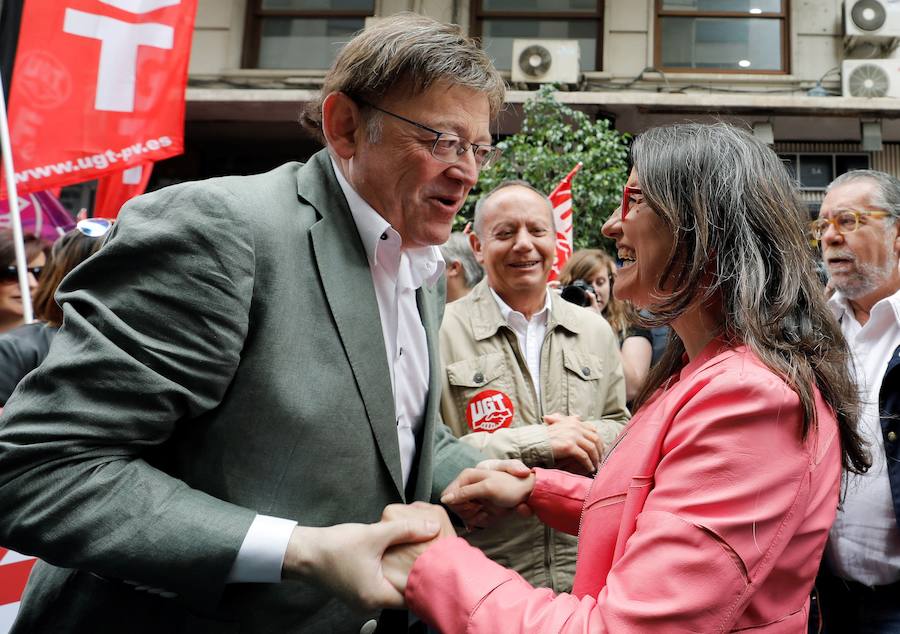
{"x": 526, "y": 374}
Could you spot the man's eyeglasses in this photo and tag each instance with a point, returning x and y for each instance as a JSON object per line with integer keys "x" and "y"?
{"x": 94, "y": 227}
{"x": 10, "y": 274}
{"x": 844, "y": 222}
{"x": 447, "y": 147}
{"x": 627, "y": 193}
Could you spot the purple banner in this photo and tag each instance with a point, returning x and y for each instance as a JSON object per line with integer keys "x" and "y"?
{"x": 42, "y": 215}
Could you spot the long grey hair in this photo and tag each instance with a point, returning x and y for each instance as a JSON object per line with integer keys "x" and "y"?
{"x": 740, "y": 241}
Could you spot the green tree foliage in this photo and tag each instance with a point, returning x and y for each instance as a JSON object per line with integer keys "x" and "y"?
{"x": 553, "y": 139}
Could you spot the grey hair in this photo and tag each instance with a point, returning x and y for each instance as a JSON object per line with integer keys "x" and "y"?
{"x": 888, "y": 196}
{"x": 478, "y": 218}
{"x": 740, "y": 242}
{"x": 458, "y": 249}
{"x": 407, "y": 52}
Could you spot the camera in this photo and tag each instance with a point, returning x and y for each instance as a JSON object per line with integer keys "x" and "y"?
{"x": 577, "y": 293}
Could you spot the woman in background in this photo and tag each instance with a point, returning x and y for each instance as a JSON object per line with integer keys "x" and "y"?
{"x": 598, "y": 269}
{"x": 23, "y": 349}
{"x": 12, "y": 310}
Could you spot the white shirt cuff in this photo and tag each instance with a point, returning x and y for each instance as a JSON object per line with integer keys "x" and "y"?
{"x": 262, "y": 552}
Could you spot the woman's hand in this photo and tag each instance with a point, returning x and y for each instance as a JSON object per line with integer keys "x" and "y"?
{"x": 481, "y": 496}
{"x": 398, "y": 560}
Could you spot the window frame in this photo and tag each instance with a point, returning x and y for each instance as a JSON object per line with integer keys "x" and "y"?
{"x": 255, "y": 14}
{"x": 782, "y": 16}
{"x": 797, "y": 158}
{"x": 477, "y": 14}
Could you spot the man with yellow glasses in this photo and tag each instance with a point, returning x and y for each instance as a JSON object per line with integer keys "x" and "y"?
{"x": 859, "y": 233}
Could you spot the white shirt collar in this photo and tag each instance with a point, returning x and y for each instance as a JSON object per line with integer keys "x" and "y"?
{"x": 507, "y": 312}
{"x": 425, "y": 263}
{"x": 840, "y": 306}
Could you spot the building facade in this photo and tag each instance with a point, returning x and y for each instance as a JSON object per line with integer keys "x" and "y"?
{"x": 772, "y": 65}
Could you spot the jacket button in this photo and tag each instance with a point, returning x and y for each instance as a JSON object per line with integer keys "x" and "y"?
{"x": 369, "y": 627}
{"x": 478, "y": 378}
{"x": 892, "y": 436}
{"x": 586, "y": 371}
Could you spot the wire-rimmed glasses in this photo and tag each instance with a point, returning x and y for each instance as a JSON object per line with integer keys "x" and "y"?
{"x": 447, "y": 147}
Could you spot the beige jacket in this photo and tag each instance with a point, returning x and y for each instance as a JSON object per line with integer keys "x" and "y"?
{"x": 487, "y": 386}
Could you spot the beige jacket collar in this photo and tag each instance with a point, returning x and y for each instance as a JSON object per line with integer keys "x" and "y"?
{"x": 487, "y": 319}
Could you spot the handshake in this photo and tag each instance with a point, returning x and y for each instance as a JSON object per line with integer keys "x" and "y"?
{"x": 368, "y": 565}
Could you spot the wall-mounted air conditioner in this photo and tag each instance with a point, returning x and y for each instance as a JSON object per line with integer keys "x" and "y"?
{"x": 545, "y": 61}
{"x": 877, "y": 20}
{"x": 870, "y": 77}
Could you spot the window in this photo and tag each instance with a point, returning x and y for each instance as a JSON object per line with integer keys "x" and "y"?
{"x": 746, "y": 36}
{"x": 815, "y": 171}
{"x": 499, "y": 22}
{"x": 300, "y": 34}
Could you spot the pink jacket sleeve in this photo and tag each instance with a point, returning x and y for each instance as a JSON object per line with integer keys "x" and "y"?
{"x": 730, "y": 491}
{"x": 558, "y": 497}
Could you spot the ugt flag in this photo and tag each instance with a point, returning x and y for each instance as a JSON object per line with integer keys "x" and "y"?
{"x": 14, "y": 570}
{"x": 97, "y": 87}
{"x": 116, "y": 189}
{"x": 561, "y": 199}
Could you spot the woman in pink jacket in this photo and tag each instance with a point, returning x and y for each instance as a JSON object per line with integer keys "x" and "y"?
{"x": 712, "y": 508}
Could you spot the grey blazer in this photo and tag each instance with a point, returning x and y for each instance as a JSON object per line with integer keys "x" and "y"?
{"x": 221, "y": 356}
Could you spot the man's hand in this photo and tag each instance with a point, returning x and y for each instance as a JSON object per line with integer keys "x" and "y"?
{"x": 481, "y": 496}
{"x": 346, "y": 558}
{"x": 399, "y": 560}
{"x": 575, "y": 444}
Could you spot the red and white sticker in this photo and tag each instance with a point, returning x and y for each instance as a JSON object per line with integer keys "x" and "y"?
{"x": 489, "y": 410}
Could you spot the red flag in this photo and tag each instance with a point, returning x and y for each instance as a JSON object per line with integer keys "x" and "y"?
{"x": 561, "y": 199}
{"x": 116, "y": 189}
{"x": 98, "y": 87}
{"x": 14, "y": 569}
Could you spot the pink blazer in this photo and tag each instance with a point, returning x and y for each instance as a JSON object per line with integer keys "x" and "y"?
{"x": 709, "y": 515}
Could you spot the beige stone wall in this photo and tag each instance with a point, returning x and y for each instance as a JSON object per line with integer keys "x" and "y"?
{"x": 815, "y": 42}
{"x": 218, "y": 36}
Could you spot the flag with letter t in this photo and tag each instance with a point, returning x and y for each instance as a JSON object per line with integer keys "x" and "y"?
{"x": 97, "y": 87}
{"x": 561, "y": 199}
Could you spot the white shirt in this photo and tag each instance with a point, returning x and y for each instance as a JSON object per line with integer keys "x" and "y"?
{"x": 530, "y": 334}
{"x": 397, "y": 273}
{"x": 864, "y": 543}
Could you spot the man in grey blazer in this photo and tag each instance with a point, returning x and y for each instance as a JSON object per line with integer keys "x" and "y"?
{"x": 247, "y": 372}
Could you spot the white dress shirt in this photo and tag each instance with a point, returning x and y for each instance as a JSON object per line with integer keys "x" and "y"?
{"x": 864, "y": 543}
{"x": 530, "y": 334}
{"x": 397, "y": 273}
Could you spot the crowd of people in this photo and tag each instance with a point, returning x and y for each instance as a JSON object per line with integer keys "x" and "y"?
{"x": 295, "y": 402}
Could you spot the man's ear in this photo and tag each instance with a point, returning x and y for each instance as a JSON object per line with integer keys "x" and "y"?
{"x": 341, "y": 124}
{"x": 453, "y": 269}
{"x": 897, "y": 239}
{"x": 475, "y": 243}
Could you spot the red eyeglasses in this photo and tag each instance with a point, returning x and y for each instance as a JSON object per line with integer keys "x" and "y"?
{"x": 627, "y": 193}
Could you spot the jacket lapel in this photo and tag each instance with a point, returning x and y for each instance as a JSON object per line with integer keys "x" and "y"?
{"x": 427, "y": 301}
{"x": 347, "y": 284}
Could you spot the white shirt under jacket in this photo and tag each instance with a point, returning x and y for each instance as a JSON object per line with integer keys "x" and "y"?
{"x": 864, "y": 543}
{"x": 530, "y": 334}
{"x": 397, "y": 273}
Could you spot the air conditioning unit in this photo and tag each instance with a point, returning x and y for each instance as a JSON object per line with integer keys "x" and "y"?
{"x": 546, "y": 61}
{"x": 877, "y": 20}
{"x": 870, "y": 77}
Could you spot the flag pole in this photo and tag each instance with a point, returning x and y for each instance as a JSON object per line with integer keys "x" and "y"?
{"x": 18, "y": 237}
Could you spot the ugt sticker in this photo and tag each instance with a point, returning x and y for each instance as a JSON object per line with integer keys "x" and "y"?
{"x": 489, "y": 410}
